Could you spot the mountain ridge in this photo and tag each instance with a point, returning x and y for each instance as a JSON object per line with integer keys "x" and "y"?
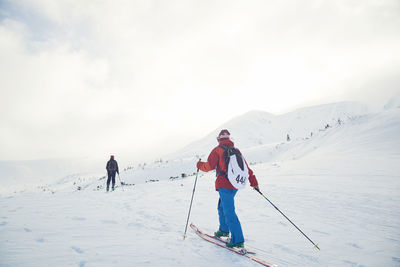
{"x": 259, "y": 127}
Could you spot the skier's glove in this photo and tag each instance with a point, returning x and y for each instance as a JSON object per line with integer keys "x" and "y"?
{"x": 256, "y": 187}
{"x": 199, "y": 164}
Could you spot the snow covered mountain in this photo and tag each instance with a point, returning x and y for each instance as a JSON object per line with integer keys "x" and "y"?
{"x": 253, "y": 131}
{"x": 257, "y": 127}
{"x": 340, "y": 185}
{"x": 394, "y": 102}
{"x": 28, "y": 174}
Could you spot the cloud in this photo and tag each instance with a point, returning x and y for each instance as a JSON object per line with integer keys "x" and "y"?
{"x": 147, "y": 77}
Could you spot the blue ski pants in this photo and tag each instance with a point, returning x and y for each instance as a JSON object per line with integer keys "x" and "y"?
{"x": 228, "y": 220}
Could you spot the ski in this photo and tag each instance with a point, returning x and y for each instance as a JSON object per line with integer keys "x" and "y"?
{"x": 222, "y": 243}
{"x": 225, "y": 241}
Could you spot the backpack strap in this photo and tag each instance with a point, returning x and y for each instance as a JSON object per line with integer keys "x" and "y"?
{"x": 225, "y": 156}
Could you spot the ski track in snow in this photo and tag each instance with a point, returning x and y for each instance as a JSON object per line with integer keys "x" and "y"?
{"x": 342, "y": 188}
{"x": 144, "y": 226}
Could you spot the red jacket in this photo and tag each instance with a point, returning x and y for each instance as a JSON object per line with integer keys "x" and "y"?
{"x": 215, "y": 158}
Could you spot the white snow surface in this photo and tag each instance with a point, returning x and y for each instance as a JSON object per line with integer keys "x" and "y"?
{"x": 341, "y": 186}
{"x": 394, "y": 101}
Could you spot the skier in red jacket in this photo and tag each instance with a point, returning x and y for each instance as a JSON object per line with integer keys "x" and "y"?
{"x": 228, "y": 220}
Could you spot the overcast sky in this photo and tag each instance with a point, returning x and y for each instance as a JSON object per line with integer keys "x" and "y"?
{"x": 143, "y": 78}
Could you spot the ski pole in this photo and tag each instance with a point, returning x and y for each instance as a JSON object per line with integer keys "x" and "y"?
{"x": 315, "y": 245}
{"x": 191, "y": 201}
{"x": 121, "y": 183}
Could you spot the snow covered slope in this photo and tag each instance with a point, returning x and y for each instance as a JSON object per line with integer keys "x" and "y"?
{"x": 394, "y": 102}
{"x": 341, "y": 186}
{"x": 29, "y": 174}
{"x": 257, "y": 127}
{"x": 254, "y": 128}
{"x": 260, "y": 133}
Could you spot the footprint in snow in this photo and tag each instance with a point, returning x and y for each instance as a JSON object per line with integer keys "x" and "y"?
{"x": 109, "y": 222}
{"x": 27, "y": 230}
{"x": 40, "y": 240}
{"x": 3, "y": 223}
{"x": 135, "y": 224}
{"x": 78, "y": 218}
{"x": 320, "y": 232}
{"x": 82, "y": 264}
{"x": 14, "y": 210}
{"x": 352, "y": 263}
{"x": 77, "y": 250}
{"x": 354, "y": 245}
{"x": 127, "y": 206}
{"x": 308, "y": 257}
{"x": 286, "y": 249}
{"x": 282, "y": 223}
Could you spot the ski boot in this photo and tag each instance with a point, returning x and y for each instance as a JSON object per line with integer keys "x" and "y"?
{"x": 219, "y": 233}
{"x": 108, "y": 188}
{"x": 237, "y": 245}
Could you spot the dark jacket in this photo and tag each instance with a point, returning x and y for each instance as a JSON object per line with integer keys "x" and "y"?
{"x": 112, "y": 166}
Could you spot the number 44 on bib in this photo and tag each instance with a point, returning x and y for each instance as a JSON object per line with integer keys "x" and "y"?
{"x": 237, "y": 171}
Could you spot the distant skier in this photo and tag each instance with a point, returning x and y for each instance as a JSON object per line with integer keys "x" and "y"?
{"x": 228, "y": 220}
{"x": 112, "y": 168}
